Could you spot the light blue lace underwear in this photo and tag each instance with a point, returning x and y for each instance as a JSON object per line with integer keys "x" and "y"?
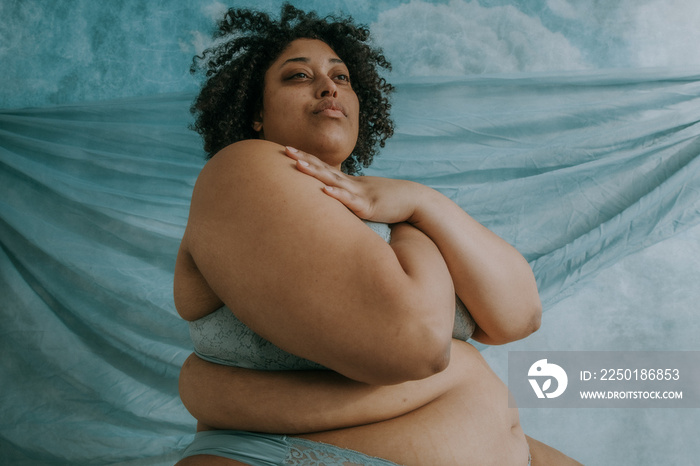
{"x": 257, "y": 449}
{"x": 221, "y": 338}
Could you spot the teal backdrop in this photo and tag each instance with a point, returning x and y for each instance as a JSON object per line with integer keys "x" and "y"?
{"x": 572, "y": 129}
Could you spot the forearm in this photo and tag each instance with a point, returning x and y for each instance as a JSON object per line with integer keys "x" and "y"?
{"x": 493, "y": 280}
{"x": 490, "y": 276}
{"x": 227, "y": 397}
{"x": 295, "y": 402}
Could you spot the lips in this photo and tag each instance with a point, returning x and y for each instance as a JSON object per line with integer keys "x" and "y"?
{"x": 330, "y": 107}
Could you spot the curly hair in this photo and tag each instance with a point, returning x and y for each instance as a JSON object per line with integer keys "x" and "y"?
{"x": 248, "y": 42}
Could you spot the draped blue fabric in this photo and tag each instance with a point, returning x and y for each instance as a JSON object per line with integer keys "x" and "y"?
{"x": 576, "y": 169}
{"x": 95, "y": 198}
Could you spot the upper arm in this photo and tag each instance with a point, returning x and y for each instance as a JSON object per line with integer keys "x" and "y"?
{"x": 306, "y": 274}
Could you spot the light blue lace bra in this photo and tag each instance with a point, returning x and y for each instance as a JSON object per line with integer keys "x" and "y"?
{"x": 221, "y": 338}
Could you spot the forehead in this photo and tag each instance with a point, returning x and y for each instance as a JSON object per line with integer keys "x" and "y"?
{"x": 312, "y": 49}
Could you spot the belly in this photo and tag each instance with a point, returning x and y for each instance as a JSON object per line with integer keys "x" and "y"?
{"x": 470, "y": 424}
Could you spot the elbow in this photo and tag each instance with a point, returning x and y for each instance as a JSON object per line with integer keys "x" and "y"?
{"x": 418, "y": 350}
{"x": 424, "y": 352}
{"x": 411, "y": 338}
{"x": 528, "y": 321}
{"x": 533, "y": 315}
{"x": 425, "y": 343}
{"x": 535, "y": 318}
{"x": 410, "y": 365}
{"x": 431, "y": 358}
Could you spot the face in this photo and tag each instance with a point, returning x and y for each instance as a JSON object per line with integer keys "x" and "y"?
{"x": 309, "y": 103}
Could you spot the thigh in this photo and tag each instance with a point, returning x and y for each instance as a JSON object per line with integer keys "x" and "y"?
{"x": 469, "y": 424}
{"x": 544, "y": 454}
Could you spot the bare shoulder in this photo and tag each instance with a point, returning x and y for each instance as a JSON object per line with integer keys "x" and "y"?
{"x": 241, "y": 165}
{"x": 248, "y": 161}
{"x": 254, "y": 216}
{"x": 255, "y": 177}
{"x": 247, "y": 154}
{"x": 251, "y": 191}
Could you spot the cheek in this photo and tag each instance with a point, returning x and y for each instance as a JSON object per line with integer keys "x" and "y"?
{"x": 272, "y": 116}
{"x": 356, "y": 109}
{"x": 281, "y": 105}
{"x": 356, "y": 121}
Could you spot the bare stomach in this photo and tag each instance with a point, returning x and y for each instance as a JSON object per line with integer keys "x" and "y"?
{"x": 458, "y": 417}
{"x": 470, "y": 423}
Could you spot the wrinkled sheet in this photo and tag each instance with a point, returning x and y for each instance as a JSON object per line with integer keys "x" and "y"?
{"x": 576, "y": 170}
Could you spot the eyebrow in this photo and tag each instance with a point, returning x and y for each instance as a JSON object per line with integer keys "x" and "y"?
{"x": 307, "y": 60}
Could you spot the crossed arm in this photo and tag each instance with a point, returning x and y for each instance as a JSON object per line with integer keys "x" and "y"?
{"x": 492, "y": 279}
{"x": 403, "y": 310}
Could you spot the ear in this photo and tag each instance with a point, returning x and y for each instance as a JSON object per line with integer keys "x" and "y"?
{"x": 257, "y": 122}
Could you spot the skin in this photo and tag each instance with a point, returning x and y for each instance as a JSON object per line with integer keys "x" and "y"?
{"x": 267, "y": 216}
{"x": 297, "y": 87}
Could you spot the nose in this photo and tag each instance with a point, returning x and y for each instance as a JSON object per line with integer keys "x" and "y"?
{"x": 327, "y": 87}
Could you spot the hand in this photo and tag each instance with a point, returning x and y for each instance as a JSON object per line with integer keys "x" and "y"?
{"x": 371, "y": 198}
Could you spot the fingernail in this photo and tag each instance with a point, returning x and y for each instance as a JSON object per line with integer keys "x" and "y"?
{"x": 303, "y": 162}
{"x": 291, "y": 149}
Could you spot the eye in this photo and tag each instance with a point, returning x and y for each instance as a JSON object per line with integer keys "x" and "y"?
{"x": 343, "y": 77}
{"x": 299, "y": 75}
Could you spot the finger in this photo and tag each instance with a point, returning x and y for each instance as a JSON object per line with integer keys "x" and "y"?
{"x": 293, "y": 153}
{"x": 325, "y": 174}
{"x": 358, "y": 205}
{"x": 307, "y": 163}
{"x": 320, "y": 170}
{"x": 298, "y": 155}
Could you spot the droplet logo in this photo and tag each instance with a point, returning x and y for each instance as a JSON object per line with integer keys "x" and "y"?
{"x": 547, "y": 371}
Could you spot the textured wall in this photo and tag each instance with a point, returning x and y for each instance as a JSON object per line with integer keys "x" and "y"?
{"x": 63, "y": 51}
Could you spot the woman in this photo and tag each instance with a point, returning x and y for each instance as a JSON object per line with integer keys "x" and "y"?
{"x": 341, "y": 337}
